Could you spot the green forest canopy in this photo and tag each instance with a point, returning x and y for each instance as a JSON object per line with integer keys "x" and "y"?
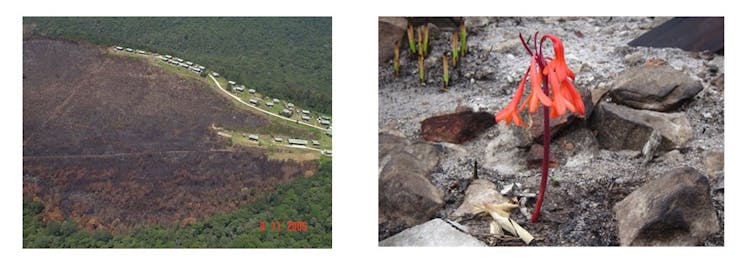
{"x": 284, "y": 57}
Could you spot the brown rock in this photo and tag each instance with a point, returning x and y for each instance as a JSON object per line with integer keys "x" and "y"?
{"x": 719, "y": 82}
{"x": 391, "y": 29}
{"x": 656, "y": 62}
{"x": 456, "y": 127}
{"x": 406, "y": 196}
{"x": 389, "y": 142}
{"x": 621, "y": 127}
{"x": 536, "y": 154}
{"x": 714, "y": 163}
{"x": 427, "y": 154}
{"x": 654, "y": 87}
{"x": 598, "y": 92}
{"x": 673, "y": 210}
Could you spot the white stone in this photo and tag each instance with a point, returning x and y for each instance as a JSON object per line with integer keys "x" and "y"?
{"x": 433, "y": 233}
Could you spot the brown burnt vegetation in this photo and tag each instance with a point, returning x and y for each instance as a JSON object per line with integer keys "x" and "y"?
{"x": 116, "y": 143}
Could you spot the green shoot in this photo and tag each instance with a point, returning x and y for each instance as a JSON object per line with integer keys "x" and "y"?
{"x": 419, "y": 41}
{"x": 425, "y": 39}
{"x": 411, "y": 43}
{"x": 454, "y": 46}
{"x": 421, "y": 68}
{"x": 464, "y": 48}
{"x": 397, "y": 57}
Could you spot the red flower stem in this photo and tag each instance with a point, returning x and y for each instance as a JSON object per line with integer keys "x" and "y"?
{"x": 526, "y": 46}
{"x": 545, "y": 156}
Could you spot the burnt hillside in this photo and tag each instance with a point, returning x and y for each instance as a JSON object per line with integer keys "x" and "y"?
{"x": 115, "y": 143}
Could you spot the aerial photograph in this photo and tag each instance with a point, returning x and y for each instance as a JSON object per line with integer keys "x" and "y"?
{"x": 551, "y": 131}
{"x": 171, "y": 132}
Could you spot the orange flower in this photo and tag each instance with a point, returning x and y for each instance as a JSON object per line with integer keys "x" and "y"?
{"x": 509, "y": 112}
{"x": 551, "y": 84}
{"x": 536, "y": 94}
{"x": 545, "y": 74}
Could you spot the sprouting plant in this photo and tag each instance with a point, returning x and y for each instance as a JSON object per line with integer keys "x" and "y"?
{"x": 419, "y": 41}
{"x": 397, "y": 57}
{"x": 545, "y": 74}
{"x": 464, "y": 49}
{"x": 421, "y": 68}
{"x": 425, "y": 40}
{"x": 454, "y": 47}
{"x": 411, "y": 42}
{"x": 445, "y": 73}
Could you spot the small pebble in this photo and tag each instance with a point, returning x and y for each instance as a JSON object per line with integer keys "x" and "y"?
{"x": 507, "y": 189}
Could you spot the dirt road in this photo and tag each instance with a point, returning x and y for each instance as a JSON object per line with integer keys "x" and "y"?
{"x": 259, "y": 109}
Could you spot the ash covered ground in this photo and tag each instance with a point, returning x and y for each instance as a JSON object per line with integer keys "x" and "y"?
{"x": 588, "y": 181}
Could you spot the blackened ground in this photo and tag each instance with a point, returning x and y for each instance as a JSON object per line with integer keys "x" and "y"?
{"x": 116, "y": 143}
{"x": 579, "y": 200}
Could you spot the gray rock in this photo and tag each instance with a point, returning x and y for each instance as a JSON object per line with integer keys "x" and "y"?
{"x": 714, "y": 162}
{"x": 719, "y": 62}
{"x": 634, "y": 59}
{"x": 507, "y": 45}
{"x": 391, "y": 29}
{"x": 388, "y": 142}
{"x": 434, "y": 32}
{"x": 477, "y": 22}
{"x": 598, "y": 92}
{"x": 671, "y": 157}
{"x": 584, "y": 68}
{"x": 719, "y": 82}
{"x": 720, "y": 185}
{"x": 479, "y": 192}
{"x": 484, "y": 73}
{"x": 619, "y": 127}
{"x": 502, "y": 153}
{"x": 673, "y": 210}
{"x": 458, "y": 226}
{"x": 580, "y": 147}
{"x": 434, "y": 233}
{"x": 428, "y": 155}
{"x": 659, "y": 88}
{"x": 406, "y": 196}
{"x": 650, "y": 147}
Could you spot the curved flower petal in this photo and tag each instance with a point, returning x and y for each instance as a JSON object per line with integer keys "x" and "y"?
{"x": 575, "y": 98}
{"x": 563, "y": 96}
{"x": 509, "y": 112}
{"x": 537, "y": 95}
